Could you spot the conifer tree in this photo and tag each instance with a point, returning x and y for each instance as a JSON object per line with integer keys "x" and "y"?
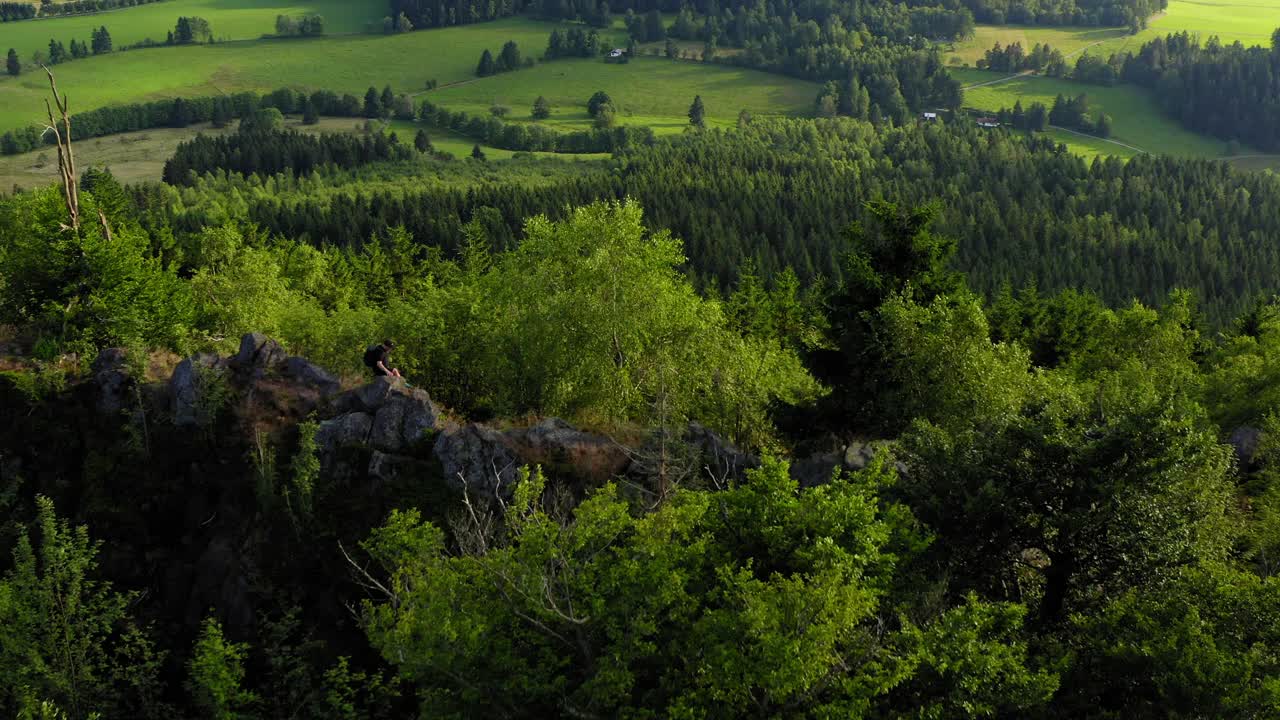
{"x": 372, "y": 103}
{"x": 422, "y": 142}
{"x": 697, "y": 113}
{"x": 486, "y": 66}
{"x": 477, "y": 153}
{"x": 509, "y": 58}
{"x": 13, "y": 64}
{"x": 541, "y": 108}
{"x": 310, "y": 116}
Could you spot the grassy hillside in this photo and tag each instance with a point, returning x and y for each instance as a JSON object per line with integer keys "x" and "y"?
{"x": 1138, "y": 119}
{"x": 648, "y": 91}
{"x": 1249, "y": 21}
{"x": 350, "y": 64}
{"x": 229, "y": 20}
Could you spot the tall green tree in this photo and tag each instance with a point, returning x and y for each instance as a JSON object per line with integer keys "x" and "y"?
{"x": 509, "y": 57}
{"x": 760, "y": 600}
{"x": 541, "y": 109}
{"x": 697, "y": 113}
{"x": 486, "y": 66}
{"x": 216, "y": 676}
{"x": 65, "y": 635}
{"x": 372, "y": 103}
{"x": 12, "y": 63}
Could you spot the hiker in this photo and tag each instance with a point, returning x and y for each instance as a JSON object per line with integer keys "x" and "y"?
{"x": 377, "y": 357}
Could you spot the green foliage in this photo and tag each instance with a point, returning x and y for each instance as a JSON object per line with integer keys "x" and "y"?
{"x": 81, "y": 286}
{"x": 304, "y": 472}
{"x": 216, "y": 675}
{"x": 717, "y": 604}
{"x": 65, "y": 636}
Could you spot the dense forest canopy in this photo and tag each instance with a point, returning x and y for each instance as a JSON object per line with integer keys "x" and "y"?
{"x": 1023, "y": 210}
{"x": 1229, "y": 91}
{"x": 869, "y": 415}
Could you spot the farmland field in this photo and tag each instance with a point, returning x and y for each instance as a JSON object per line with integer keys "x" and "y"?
{"x": 229, "y": 20}
{"x": 1137, "y": 118}
{"x": 647, "y": 91}
{"x": 140, "y": 156}
{"x": 1249, "y": 21}
{"x": 344, "y": 64}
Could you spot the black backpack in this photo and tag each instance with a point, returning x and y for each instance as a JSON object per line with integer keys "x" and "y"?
{"x": 372, "y": 356}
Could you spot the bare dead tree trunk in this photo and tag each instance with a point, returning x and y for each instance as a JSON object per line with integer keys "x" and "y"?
{"x": 66, "y": 159}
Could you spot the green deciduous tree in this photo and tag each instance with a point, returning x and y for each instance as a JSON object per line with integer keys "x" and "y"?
{"x": 216, "y": 675}
{"x": 12, "y": 64}
{"x": 66, "y": 636}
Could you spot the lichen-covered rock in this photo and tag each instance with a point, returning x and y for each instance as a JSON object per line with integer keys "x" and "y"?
{"x": 187, "y": 389}
{"x": 557, "y": 444}
{"x": 476, "y": 459}
{"x": 815, "y": 470}
{"x": 387, "y": 467}
{"x": 421, "y": 419}
{"x": 258, "y": 352}
{"x": 311, "y": 375}
{"x": 388, "y": 423}
{"x": 1245, "y": 440}
{"x": 347, "y": 430}
{"x": 111, "y": 378}
{"x": 716, "y": 455}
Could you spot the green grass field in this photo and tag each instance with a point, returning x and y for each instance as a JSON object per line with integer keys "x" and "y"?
{"x": 1249, "y": 21}
{"x": 229, "y": 20}
{"x": 648, "y": 91}
{"x": 140, "y": 156}
{"x": 1137, "y": 118}
{"x": 344, "y": 64}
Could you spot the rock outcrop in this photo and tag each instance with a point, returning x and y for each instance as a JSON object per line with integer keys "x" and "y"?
{"x": 1245, "y": 439}
{"x": 111, "y": 380}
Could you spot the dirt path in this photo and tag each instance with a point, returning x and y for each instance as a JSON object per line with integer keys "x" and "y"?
{"x": 1095, "y": 137}
{"x": 1024, "y": 73}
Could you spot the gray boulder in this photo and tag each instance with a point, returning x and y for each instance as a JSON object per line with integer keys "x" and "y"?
{"x": 557, "y": 444}
{"x": 387, "y": 467}
{"x": 477, "y": 459}
{"x": 343, "y": 431}
{"x": 111, "y": 378}
{"x": 718, "y": 456}
{"x": 1245, "y": 440}
{"x": 815, "y": 470}
{"x": 388, "y": 423}
{"x": 258, "y": 352}
{"x": 188, "y": 388}
{"x": 311, "y": 375}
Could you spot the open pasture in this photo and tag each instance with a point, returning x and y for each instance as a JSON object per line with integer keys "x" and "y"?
{"x": 648, "y": 91}
{"x": 349, "y": 63}
{"x": 1137, "y": 119}
{"x": 229, "y": 20}
{"x": 1249, "y": 21}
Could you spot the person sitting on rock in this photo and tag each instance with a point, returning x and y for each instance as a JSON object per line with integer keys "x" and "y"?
{"x": 377, "y": 357}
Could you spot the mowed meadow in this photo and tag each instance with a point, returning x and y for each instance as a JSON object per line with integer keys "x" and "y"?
{"x": 229, "y": 20}
{"x": 649, "y": 91}
{"x": 1248, "y": 21}
{"x": 1139, "y": 124}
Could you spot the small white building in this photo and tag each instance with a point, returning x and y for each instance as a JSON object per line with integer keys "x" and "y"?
{"x": 616, "y": 53}
{"x": 929, "y": 116}
{"x": 988, "y": 122}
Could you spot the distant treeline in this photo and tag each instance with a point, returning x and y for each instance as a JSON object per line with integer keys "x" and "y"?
{"x": 181, "y": 112}
{"x": 11, "y": 11}
{"x": 271, "y": 151}
{"x": 517, "y": 136}
{"x": 781, "y": 194}
{"x": 1228, "y": 91}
